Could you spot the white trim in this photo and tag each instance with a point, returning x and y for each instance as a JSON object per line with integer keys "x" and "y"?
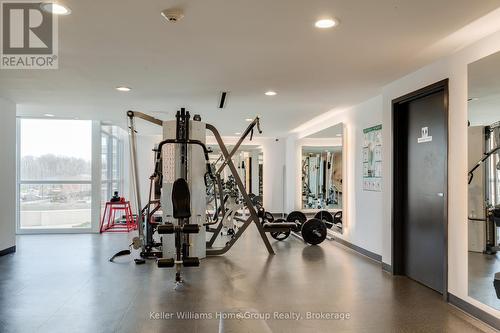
{"x": 55, "y": 182}
{"x": 18, "y": 173}
{"x": 47, "y": 231}
{"x": 96, "y": 176}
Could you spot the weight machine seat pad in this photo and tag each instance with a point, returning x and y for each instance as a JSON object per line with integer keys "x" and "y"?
{"x": 181, "y": 199}
{"x": 279, "y": 225}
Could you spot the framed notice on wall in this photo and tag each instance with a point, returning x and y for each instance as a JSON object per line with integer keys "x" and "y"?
{"x": 372, "y": 159}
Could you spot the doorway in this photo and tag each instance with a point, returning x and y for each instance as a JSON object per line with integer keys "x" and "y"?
{"x": 419, "y": 241}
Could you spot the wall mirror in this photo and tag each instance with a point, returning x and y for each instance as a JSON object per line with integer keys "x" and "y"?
{"x": 322, "y": 172}
{"x": 249, "y": 162}
{"x": 484, "y": 180}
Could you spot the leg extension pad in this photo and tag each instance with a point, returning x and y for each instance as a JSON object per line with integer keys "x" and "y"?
{"x": 190, "y": 261}
{"x": 166, "y": 262}
{"x": 167, "y": 228}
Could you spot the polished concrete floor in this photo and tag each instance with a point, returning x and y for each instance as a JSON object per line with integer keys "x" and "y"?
{"x": 64, "y": 283}
{"x": 482, "y": 269}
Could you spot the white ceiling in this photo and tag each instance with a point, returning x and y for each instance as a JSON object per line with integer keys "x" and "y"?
{"x": 484, "y": 90}
{"x": 245, "y": 47}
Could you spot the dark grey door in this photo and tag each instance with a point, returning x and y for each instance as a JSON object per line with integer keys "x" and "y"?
{"x": 424, "y": 195}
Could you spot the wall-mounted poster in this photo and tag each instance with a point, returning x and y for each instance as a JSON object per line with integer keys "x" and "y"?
{"x": 372, "y": 159}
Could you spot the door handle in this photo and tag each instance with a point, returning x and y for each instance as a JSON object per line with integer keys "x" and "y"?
{"x": 440, "y": 194}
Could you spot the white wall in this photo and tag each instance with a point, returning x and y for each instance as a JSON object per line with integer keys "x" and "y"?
{"x": 363, "y": 215}
{"x": 273, "y": 174}
{"x": 7, "y": 174}
{"x": 364, "y": 208}
{"x": 145, "y": 165}
{"x": 453, "y": 67}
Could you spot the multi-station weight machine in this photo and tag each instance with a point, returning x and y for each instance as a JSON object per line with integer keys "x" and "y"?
{"x": 173, "y": 224}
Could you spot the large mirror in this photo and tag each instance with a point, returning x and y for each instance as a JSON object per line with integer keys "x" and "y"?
{"x": 249, "y": 164}
{"x": 484, "y": 180}
{"x": 321, "y": 171}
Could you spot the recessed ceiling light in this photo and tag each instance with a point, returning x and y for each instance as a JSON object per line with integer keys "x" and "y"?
{"x": 50, "y": 115}
{"x": 237, "y": 133}
{"x": 339, "y": 134}
{"x": 55, "y": 8}
{"x": 123, "y": 88}
{"x": 270, "y": 93}
{"x": 249, "y": 119}
{"x": 326, "y": 23}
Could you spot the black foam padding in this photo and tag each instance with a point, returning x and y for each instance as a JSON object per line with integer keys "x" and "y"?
{"x": 167, "y": 228}
{"x": 190, "y": 261}
{"x": 181, "y": 199}
{"x": 166, "y": 262}
{"x": 191, "y": 229}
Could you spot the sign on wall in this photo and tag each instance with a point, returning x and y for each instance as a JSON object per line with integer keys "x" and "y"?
{"x": 372, "y": 159}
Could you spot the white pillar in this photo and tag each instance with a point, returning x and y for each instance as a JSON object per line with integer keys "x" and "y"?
{"x": 255, "y": 171}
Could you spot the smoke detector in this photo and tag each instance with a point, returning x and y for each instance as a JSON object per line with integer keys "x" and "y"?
{"x": 172, "y": 14}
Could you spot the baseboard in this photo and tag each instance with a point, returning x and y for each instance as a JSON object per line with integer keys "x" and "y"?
{"x": 387, "y": 268}
{"x": 360, "y": 250}
{"x": 9, "y": 250}
{"x": 474, "y": 311}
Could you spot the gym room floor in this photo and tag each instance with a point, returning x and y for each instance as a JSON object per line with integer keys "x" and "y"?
{"x": 65, "y": 283}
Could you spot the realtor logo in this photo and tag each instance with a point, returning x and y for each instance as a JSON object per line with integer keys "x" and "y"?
{"x": 28, "y": 36}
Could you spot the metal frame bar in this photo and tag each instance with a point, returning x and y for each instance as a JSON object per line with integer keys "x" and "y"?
{"x": 135, "y": 173}
{"x": 253, "y": 214}
{"x": 255, "y": 122}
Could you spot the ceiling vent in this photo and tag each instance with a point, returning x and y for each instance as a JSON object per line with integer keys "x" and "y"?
{"x": 223, "y": 99}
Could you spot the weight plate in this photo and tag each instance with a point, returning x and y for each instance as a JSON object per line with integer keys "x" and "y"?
{"x": 257, "y": 200}
{"x": 337, "y": 218}
{"x": 268, "y": 217}
{"x": 297, "y": 217}
{"x": 314, "y": 231}
{"x": 280, "y": 235}
{"x": 261, "y": 212}
{"x": 326, "y": 217}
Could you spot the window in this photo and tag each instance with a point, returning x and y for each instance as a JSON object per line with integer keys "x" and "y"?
{"x": 55, "y": 174}
{"x": 111, "y": 162}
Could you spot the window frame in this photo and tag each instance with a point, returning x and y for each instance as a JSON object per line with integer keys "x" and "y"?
{"x": 110, "y": 180}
